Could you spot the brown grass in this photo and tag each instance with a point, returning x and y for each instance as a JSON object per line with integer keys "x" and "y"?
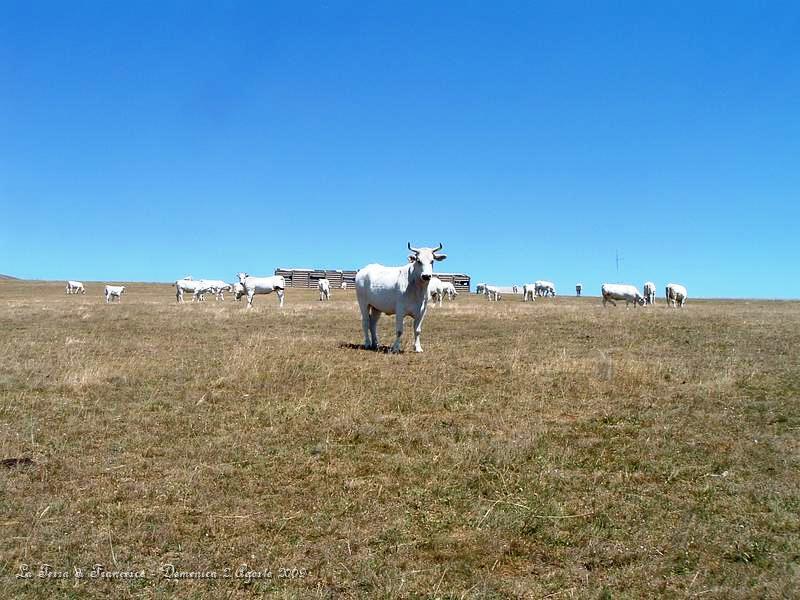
{"x": 555, "y": 449}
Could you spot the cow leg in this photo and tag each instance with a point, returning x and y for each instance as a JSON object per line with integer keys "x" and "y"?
{"x": 374, "y": 315}
{"x": 365, "y": 327}
{"x": 399, "y": 328}
{"x": 418, "y": 333}
{"x": 280, "y": 297}
{"x": 250, "y": 298}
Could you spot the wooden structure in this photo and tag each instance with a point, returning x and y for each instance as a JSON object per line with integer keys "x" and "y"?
{"x": 461, "y": 281}
{"x": 309, "y": 278}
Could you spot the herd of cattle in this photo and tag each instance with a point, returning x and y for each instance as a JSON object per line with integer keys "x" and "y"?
{"x": 404, "y": 291}
{"x": 675, "y": 293}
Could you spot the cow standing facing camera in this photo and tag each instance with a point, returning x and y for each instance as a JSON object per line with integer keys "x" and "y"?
{"x": 400, "y": 291}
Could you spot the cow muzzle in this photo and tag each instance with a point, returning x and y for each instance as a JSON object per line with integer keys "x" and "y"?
{"x": 426, "y": 277}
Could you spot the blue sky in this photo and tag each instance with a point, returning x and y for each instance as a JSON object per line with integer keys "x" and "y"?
{"x": 147, "y": 140}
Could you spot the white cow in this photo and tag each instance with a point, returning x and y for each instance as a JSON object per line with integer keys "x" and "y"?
{"x": 436, "y": 290}
{"x": 449, "y": 290}
{"x": 676, "y": 295}
{"x": 324, "y": 289}
{"x": 218, "y": 288}
{"x": 262, "y": 285}
{"x": 344, "y": 285}
{"x": 621, "y": 291}
{"x": 114, "y": 291}
{"x": 649, "y": 292}
{"x": 400, "y": 291}
{"x": 529, "y": 292}
{"x": 75, "y": 287}
{"x": 544, "y": 288}
{"x": 203, "y": 287}
{"x": 188, "y": 285}
{"x": 491, "y": 292}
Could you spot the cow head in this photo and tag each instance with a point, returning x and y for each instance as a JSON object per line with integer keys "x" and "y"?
{"x": 422, "y": 259}
{"x": 242, "y": 277}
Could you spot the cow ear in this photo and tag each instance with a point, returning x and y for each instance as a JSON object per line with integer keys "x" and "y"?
{"x": 412, "y": 257}
{"x": 439, "y": 256}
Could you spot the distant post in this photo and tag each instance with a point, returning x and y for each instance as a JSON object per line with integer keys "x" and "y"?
{"x": 578, "y": 288}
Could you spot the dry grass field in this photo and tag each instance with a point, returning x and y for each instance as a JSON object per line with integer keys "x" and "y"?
{"x": 555, "y": 449}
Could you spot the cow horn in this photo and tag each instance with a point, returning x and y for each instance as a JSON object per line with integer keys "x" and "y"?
{"x": 414, "y": 250}
{"x": 439, "y": 248}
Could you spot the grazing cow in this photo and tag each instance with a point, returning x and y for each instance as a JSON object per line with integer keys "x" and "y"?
{"x": 114, "y": 291}
{"x": 188, "y": 285}
{"x": 400, "y": 291}
{"x": 578, "y": 289}
{"x": 676, "y": 295}
{"x": 203, "y": 287}
{"x": 324, "y": 289}
{"x": 544, "y": 288}
{"x": 219, "y": 287}
{"x": 449, "y": 290}
{"x": 621, "y": 291}
{"x": 262, "y": 285}
{"x": 529, "y": 292}
{"x": 649, "y": 292}
{"x": 75, "y": 287}
{"x": 492, "y": 293}
{"x": 344, "y": 285}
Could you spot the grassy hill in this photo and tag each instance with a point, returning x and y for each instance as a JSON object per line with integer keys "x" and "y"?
{"x": 547, "y": 449}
